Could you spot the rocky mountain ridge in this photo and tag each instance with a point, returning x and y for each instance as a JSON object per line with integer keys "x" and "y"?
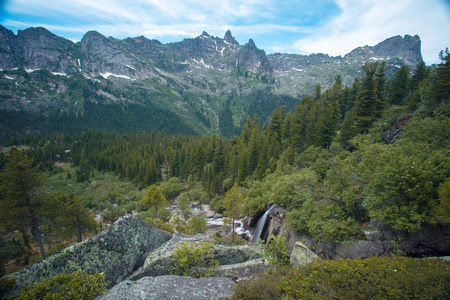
{"x": 211, "y": 83}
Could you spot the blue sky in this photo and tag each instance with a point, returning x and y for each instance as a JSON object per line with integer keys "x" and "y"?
{"x": 334, "y": 27}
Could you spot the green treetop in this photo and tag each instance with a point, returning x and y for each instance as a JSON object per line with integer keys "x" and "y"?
{"x": 153, "y": 197}
{"x": 233, "y": 205}
{"x": 22, "y": 202}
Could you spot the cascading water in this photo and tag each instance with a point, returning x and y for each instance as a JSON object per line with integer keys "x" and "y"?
{"x": 261, "y": 223}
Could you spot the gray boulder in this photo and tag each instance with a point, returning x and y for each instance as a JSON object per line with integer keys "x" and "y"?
{"x": 301, "y": 255}
{"x": 171, "y": 287}
{"x": 158, "y": 262}
{"x": 116, "y": 251}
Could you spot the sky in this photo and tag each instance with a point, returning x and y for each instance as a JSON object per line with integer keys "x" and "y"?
{"x": 333, "y": 27}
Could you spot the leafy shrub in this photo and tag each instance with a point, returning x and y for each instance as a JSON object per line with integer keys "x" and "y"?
{"x": 197, "y": 224}
{"x": 171, "y": 188}
{"x": 217, "y": 203}
{"x": 78, "y": 285}
{"x": 6, "y": 284}
{"x": 191, "y": 259}
{"x": 158, "y": 223}
{"x": 374, "y": 278}
{"x": 276, "y": 250}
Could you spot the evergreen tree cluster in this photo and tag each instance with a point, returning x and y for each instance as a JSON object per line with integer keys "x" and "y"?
{"x": 326, "y": 160}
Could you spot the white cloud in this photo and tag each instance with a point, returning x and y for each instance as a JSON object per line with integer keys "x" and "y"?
{"x": 371, "y": 21}
{"x": 358, "y": 23}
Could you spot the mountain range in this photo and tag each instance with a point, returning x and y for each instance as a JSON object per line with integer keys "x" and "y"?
{"x": 195, "y": 86}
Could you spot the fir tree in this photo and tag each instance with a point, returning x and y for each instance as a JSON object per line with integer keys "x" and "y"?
{"x": 441, "y": 89}
{"x": 399, "y": 87}
{"x": 366, "y": 102}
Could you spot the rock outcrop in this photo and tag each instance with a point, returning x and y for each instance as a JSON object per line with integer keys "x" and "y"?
{"x": 158, "y": 262}
{"x": 382, "y": 240}
{"x": 407, "y": 47}
{"x": 116, "y": 251}
{"x": 171, "y": 287}
{"x": 302, "y": 255}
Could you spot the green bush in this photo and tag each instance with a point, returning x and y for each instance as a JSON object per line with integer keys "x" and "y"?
{"x": 78, "y": 285}
{"x": 171, "y": 188}
{"x": 276, "y": 250}
{"x": 374, "y": 278}
{"x": 191, "y": 259}
{"x": 6, "y": 284}
{"x": 197, "y": 224}
{"x": 158, "y": 223}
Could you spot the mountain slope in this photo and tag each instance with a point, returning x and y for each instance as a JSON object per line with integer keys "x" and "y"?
{"x": 195, "y": 80}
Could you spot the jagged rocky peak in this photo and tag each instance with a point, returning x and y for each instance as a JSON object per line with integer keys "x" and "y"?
{"x": 253, "y": 59}
{"x": 251, "y": 44}
{"x": 230, "y": 38}
{"x": 39, "y": 48}
{"x": 407, "y": 47}
{"x": 10, "y": 50}
{"x": 92, "y": 38}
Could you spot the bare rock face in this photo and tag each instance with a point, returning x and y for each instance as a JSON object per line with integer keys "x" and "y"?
{"x": 37, "y": 48}
{"x": 116, "y": 251}
{"x": 10, "y": 51}
{"x": 407, "y": 47}
{"x": 171, "y": 287}
{"x": 382, "y": 240}
{"x": 253, "y": 59}
{"x": 103, "y": 55}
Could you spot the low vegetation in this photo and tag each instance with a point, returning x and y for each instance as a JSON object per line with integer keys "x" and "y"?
{"x": 75, "y": 286}
{"x": 394, "y": 277}
{"x": 197, "y": 260}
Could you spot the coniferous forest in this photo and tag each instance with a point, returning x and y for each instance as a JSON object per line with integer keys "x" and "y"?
{"x": 376, "y": 150}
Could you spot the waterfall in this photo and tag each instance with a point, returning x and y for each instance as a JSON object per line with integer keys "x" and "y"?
{"x": 261, "y": 223}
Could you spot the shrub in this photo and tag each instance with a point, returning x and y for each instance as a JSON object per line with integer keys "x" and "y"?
{"x": 158, "y": 223}
{"x": 78, "y": 285}
{"x": 374, "y": 278}
{"x": 276, "y": 250}
{"x": 191, "y": 259}
{"x": 197, "y": 224}
{"x": 6, "y": 284}
{"x": 171, "y": 188}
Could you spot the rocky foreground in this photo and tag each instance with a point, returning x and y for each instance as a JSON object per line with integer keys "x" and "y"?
{"x": 136, "y": 260}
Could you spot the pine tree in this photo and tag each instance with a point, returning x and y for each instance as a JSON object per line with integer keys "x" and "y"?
{"x": 441, "y": 89}
{"x": 153, "y": 197}
{"x": 366, "y": 102}
{"x": 22, "y": 202}
{"x": 380, "y": 81}
{"x": 75, "y": 219}
{"x": 399, "y": 87}
{"x": 325, "y": 126}
{"x": 233, "y": 205}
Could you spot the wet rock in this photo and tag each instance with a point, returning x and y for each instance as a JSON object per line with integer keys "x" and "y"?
{"x": 116, "y": 251}
{"x": 207, "y": 211}
{"x": 171, "y": 287}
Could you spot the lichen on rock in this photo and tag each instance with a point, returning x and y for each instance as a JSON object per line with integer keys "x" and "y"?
{"x": 116, "y": 252}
